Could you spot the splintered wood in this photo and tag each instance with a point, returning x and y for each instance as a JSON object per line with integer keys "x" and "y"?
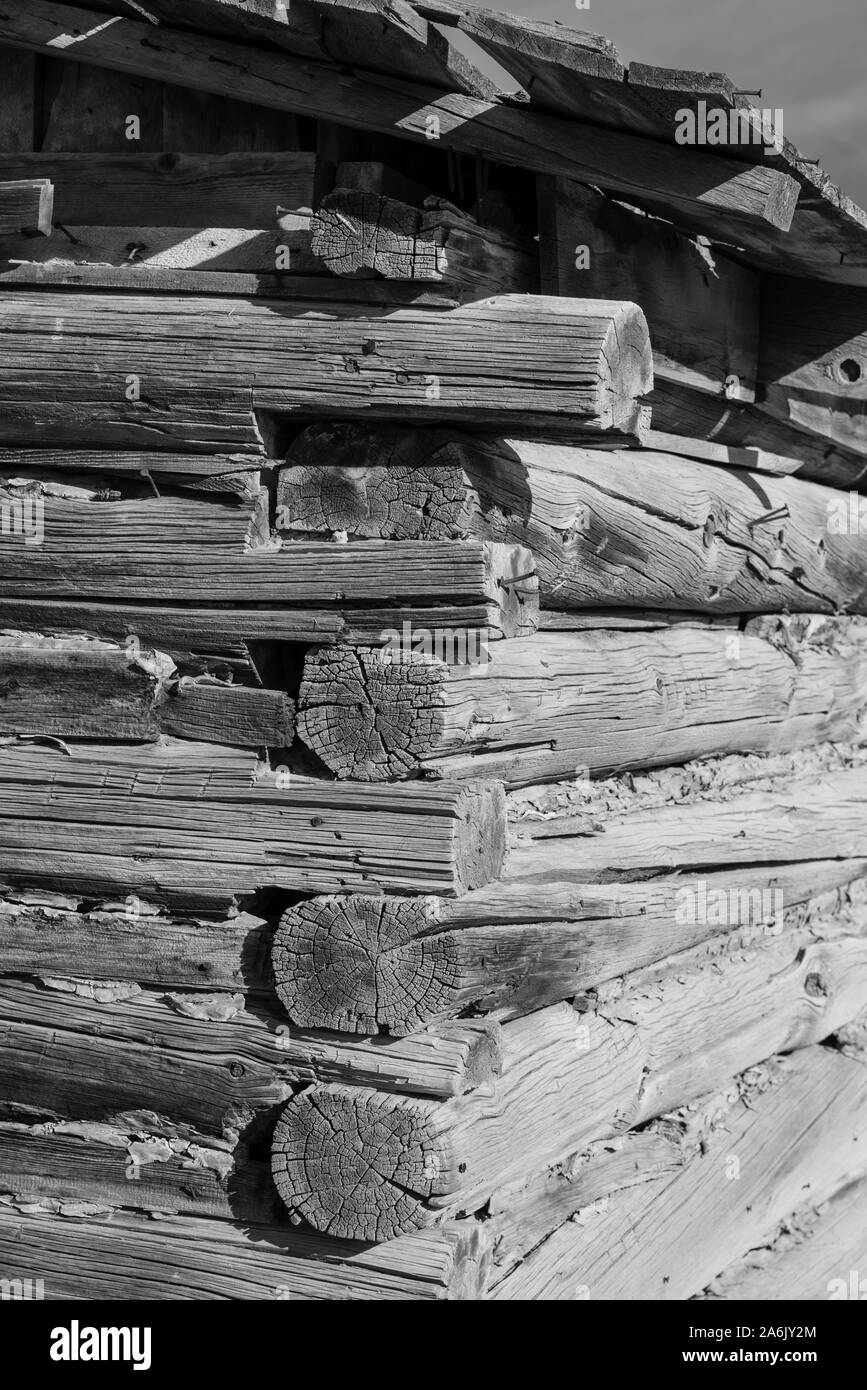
{"x": 433, "y": 668}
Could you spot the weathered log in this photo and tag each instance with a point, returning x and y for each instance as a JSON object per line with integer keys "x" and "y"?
{"x": 359, "y": 964}
{"x": 682, "y": 410}
{"x": 86, "y": 689}
{"x": 172, "y": 248}
{"x": 212, "y": 1061}
{"x": 714, "y": 194}
{"x": 702, "y": 308}
{"x": 116, "y": 370}
{"x": 127, "y": 1255}
{"x": 641, "y": 529}
{"x": 49, "y": 936}
{"x": 26, "y": 208}
{"x": 174, "y": 190}
{"x": 161, "y": 549}
{"x": 741, "y": 809}
{"x": 817, "y": 1253}
{"x": 216, "y": 640}
{"x": 558, "y": 702}
{"x": 356, "y": 233}
{"x": 188, "y": 823}
{"x": 722, "y": 1176}
{"x": 382, "y": 35}
{"x": 234, "y": 473}
{"x": 813, "y": 360}
{"x": 367, "y": 1165}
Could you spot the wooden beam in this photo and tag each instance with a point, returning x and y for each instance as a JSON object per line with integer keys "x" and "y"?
{"x": 751, "y": 809}
{"x": 619, "y": 527}
{"x": 382, "y": 35}
{"x": 170, "y": 190}
{"x": 365, "y": 233}
{"x": 682, "y": 410}
{"x": 721, "y": 1178}
{"x": 365, "y": 1165}
{"x": 714, "y": 195}
{"x": 813, "y": 360}
{"x": 81, "y": 688}
{"x": 536, "y": 710}
{"x": 366, "y": 965}
{"x": 227, "y": 1259}
{"x": 576, "y": 365}
{"x": 194, "y": 823}
{"x": 64, "y": 546}
{"x": 26, "y": 208}
{"x": 129, "y": 943}
{"x": 702, "y": 308}
{"x": 147, "y": 279}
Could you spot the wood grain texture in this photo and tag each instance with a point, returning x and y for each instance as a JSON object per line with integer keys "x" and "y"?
{"x": 66, "y": 360}
{"x": 170, "y": 190}
{"x": 196, "y": 823}
{"x": 360, "y": 965}
{"x": 216, "y": 1062}
{"x": 366, "y": 233}
{"x": 26, "y": 207}
{"x": 54, "y": 939}
{"x": 702, "y": 308}
{"x": 817, "y": 1254}
{"x": 557, "y": 703}
{"x": 715, "y": 195}
{"x": 638, "y": 529}
{"x": 365, "y": 1164}
{"x": 739, "y": 1163}
{"x": 147, "y": 1257}
{"x": 741, "y": 809}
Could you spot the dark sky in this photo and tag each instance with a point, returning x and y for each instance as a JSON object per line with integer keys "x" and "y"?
{"x": 808, "y": 56}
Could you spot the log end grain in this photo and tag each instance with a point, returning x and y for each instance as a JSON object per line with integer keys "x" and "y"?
{"x": 362, "y": 964}
{"x": 357, "y": 1163}
{"x": 368, "y": 716}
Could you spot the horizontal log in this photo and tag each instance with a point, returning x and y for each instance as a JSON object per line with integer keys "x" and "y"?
{"x": 558, "y": 703}
{"x": 66, "y": 360}
{"x": 185, "y": 822}
{"x": 682, "y": 410}
{"x": 212, "y": 1061}
{"x": 147, "y": 279}
{"x": 715, "y": 195}
{"x": 726, "y": 1173}
{"x": 170, "y": 190}
{"x": 367, "y": 1165}
{"x": 363, "y": 965}
{"x": 161, "y": 549}
{"x": 817, "y": 1254}
{"x": 82, "y": 688}
{"x": 215, "y": 640}
{"x": 50, "y": 937}
{"x": 365, "y": 233}
{"x": 702, "y": 309}
{"x": 124, "y": 1255}
{"x": 640, "y": 529}
{"x": 813, "y": 360}
{"x": 238, "y": 474}
{"x": 26, "y": 208}
{"x": 170, "y": 248}
{"x": 751, "y": 809}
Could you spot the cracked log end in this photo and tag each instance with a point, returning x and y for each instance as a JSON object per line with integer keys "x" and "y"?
{"x": 624, "y": 367}
{"x": 359, "y": 964}
{"x": 357, "y": 1163}
{"x": 369, "y": 717}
